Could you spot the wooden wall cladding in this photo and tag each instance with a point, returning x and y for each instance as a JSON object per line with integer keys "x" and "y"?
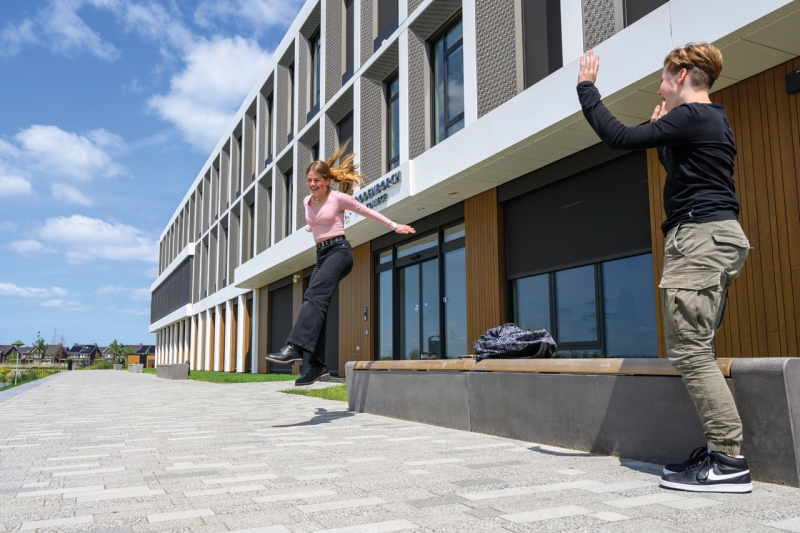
{"x": 486, "y": 269}
{"x": 763, "y": 314}
{"x": 355, "y": 294}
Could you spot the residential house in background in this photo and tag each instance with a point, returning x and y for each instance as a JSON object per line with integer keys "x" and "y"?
{"x": 54, "y": 353}
{"x": 85, "y": 353}
{"x": 7, "y": 351}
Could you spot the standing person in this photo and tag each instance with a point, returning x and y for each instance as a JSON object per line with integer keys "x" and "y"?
{"x": 705, "y": 246}
{"x": 325, "y": 215}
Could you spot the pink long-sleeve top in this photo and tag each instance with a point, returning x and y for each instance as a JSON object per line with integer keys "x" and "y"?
{"x": 329, "y": 222}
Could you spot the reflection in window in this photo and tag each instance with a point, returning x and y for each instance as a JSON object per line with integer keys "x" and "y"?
{"x": 576, "y": 307}
{"x": 629, "y": 307}
{"x": 314, "y": 49}
{"x": 448, "y": 75}
{"x": 430, "y": 241}
{"x": 532, "y": 302}
{"x": 409, "y": 312}
{"x": 385, "y": 337}
{"x": 454, "y": 232}
{"x": 393, "y": 122}
{"x": 455, "y": 304}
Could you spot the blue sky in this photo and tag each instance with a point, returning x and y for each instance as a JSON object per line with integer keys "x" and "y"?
{"x": 109, "y": 108}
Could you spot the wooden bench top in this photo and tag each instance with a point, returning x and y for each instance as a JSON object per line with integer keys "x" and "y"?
{"x": 626, "y": 366}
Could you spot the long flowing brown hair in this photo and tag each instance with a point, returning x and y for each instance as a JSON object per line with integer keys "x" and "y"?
{"x": 346, "y": 174}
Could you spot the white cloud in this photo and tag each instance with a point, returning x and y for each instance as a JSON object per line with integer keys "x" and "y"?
{"x": 142, "y": 294}
{"x": 66, "y": 193}
{"x": 30, "y": 247}
{"x": 9, "y": 289}
{"x": 14, "y": 186}
{"x": 204, "y": 97}
{"x": 60, "y": 303}
{"x": 58, "y": 27}
{"x": 258, "y": 14}
{"x": 86, "y": 239}
{"x": 54, "y": 151}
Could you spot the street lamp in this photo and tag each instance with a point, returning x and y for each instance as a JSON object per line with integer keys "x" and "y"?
{"x": 16, "y": 371}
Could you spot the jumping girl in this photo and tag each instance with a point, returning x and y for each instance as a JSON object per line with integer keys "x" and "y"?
{"x": 705, "y": 245}
{"x": 325, "y": 215}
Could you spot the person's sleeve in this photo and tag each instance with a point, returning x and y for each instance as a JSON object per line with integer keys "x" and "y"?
{"x": 674, "y": 128}
{"x": 351, "y": 204}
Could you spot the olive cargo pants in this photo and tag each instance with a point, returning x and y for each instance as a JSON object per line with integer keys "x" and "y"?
{"x": 700, "y": 263}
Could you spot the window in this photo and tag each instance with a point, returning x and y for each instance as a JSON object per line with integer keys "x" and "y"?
{"x": 345, "y": 131}
{"x": 268, "y": 136}
{"x": 314, "y": 85}
{"x": 251, "y": 230}
{"x": 448, "y": 77}
{"x": 348, "y": 45}
{"x": 541, "y": 22}
{"x": 637, "y": 9}
{"x": 315, "y": 152}
{"x": 240, "y": 167}
{"x": 393, "y": 122}
{"x": 290, "y": 101}
{"x": 602, "y": 310}
{"x": 288, "y": 202}
{"x": 387, "y": 21}
{"x": 421, "y": 303}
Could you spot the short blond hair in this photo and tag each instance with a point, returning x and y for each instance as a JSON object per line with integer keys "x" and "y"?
{"x": 703, "y": 61}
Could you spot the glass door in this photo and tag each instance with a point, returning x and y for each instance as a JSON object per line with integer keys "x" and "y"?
{"x": 419, "y": 311}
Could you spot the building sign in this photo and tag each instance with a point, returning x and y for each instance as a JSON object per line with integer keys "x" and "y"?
{"x": 375, "y": 195}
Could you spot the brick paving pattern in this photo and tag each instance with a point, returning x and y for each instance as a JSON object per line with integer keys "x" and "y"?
{"x": 113, "y": 452}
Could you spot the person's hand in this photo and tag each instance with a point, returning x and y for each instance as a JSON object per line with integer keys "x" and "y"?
{"x": 659, "y": 112}
{"x": 307, "y": 228}
{"x": 402, "y": 228}
{"x": 590, "y": 64}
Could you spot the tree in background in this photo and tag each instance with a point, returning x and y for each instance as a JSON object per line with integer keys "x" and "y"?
{"x": 57, "y": 338}
{"x": 126, "y": 351}
{"x": 40, "y": 346}
{"x": 119, "y": 352}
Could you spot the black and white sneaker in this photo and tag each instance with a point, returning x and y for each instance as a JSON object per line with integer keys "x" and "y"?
{"x": 697, "y": 456}
{"x": 716, "y": 472}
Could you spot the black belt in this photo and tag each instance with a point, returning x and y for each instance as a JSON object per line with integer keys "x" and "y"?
{"x": 332, "y": 240}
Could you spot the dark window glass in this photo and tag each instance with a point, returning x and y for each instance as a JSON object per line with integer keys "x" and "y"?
{"x": 291, "y": 100}
{"x": 268, "y": 136}
{"x": 251, "y": 247}
{"x": 385, "y": 322}
{"x": 431, "y": 335}
{"x": 385, "y": 257}
{"x": 314, "y": 49}
{"x": 454, "y": 232}
{"x": 349, "y": 22}
{"x": 532, "y": 302}
{"x": 393, "y": 122}
{"x": 345, "y": 128}
{"x": 629, "y": 307}
{"x": 387, "y": 21}
{"x": 455, "y": 304}
{"x": 637, "y": 9}
{"x": 448, "y": 76}
{"x": 288, "y": 215}
{"x": 541, "y": 28}
{"x": 408, "y": 284}
{"x": 576, "y": 306}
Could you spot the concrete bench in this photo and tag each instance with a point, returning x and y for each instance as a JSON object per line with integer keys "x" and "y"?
{"x": 633, "y": 408}
{"x": 135, "y": 369}
{"x": 180, "y": 371}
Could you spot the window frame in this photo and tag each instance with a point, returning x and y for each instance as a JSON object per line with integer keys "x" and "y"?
{"x": 432, "y": 46}
{"x": 392, "y": 162}
{"x": 288, "y": 223}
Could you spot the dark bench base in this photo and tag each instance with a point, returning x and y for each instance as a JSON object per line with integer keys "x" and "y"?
{"x": 642, "y": 417}
{"x": 173, "y": 371}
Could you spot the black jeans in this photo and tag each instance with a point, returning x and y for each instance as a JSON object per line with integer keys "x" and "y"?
{"x": 334, "y": 262}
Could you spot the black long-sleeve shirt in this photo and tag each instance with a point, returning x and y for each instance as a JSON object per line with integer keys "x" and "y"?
{"x": 696, "y": 146}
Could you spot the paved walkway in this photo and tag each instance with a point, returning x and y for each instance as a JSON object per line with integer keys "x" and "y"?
{"x": 117, "y": 452}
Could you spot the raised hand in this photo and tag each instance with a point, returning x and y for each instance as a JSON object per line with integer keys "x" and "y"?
{"x": 659, "y": 111}
{"x": 402, "y": 228}
{"x": 590, "y": 64}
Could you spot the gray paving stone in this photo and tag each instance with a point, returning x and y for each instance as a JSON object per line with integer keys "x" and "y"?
{"x": 259, "y": 433}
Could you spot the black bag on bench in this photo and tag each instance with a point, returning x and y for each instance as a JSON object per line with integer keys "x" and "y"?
{"x": 510, "y": 341}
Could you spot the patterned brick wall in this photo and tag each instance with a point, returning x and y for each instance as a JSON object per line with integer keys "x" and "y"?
{"x": 303, "y": 80}
{"x": 599, "y": 22}
{"x": 497, "y": 53}
{"x": 367, "y": 33}
{"x": 333, "y": 47}
{"x": 371, "y": 130}
{"x": 417, "y": 103}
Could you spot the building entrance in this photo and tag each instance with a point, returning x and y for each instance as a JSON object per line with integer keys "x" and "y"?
{"x": 419, "y": 311}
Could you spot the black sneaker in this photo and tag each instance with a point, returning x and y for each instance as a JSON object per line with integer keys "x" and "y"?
{"x": 288, "y": 354}
{"x": 317, "y": 373}
{"x": 697, "y": 455}
{"x": 716, "y": 472}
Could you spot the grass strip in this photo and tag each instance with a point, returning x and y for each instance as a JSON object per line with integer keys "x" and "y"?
{"x": 27, "y": 377}
{"x": 232, "y": 377}
{"x": 337, "y": 392}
